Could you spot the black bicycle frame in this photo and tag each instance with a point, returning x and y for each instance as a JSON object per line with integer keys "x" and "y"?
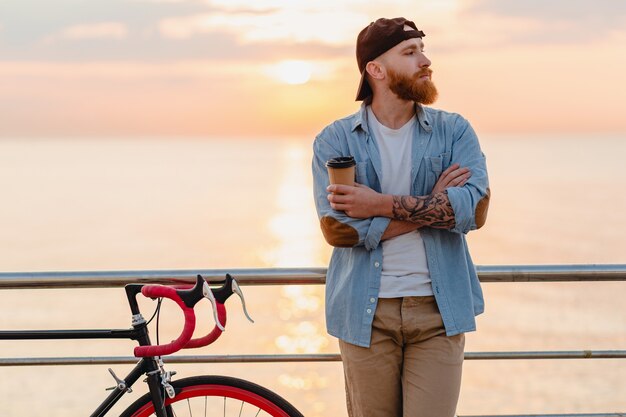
{"x": 139, "y": 332}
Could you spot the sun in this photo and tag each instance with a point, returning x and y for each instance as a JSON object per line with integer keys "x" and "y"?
{"x": 292, "y": 72}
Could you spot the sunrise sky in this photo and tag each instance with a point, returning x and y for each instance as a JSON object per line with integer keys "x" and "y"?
{"x": 71, "y": 68}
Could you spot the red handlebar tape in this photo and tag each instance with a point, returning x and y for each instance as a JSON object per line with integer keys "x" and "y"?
{"x": 155, "y": 291}
{"x": 214, "y": 334}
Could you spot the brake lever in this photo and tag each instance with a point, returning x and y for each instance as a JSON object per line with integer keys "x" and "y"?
{"x": 208, "y": 294}
{"x": 237, "y": 290}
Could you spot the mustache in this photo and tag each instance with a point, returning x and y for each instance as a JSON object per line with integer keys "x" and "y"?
{"x": 424, "y": 71}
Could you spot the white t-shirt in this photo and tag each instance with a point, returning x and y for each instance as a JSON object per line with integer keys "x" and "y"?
{"x": 405, "y": 269}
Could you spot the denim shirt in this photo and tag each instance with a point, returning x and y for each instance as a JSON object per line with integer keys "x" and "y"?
{"x": 353, "y": 277}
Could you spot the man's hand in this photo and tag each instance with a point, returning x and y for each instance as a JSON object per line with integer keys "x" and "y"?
{"x": 359, "y": 202}
{"x": 454, "y": 176}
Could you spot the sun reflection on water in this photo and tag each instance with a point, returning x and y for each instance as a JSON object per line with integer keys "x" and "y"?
{"x": 304, "y": 337}
{"x": 299, "y": 301}
{"x": 294, "y": 226}
{"x": 298, "y": 244}
{"x": 305, "y": 381}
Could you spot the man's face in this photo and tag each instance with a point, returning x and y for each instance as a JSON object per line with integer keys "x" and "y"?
{"x": 408, "y": 71}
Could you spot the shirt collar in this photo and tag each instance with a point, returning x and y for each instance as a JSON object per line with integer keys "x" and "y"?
{"x": 361, "y": 118}
{"x": 423, "y": 118}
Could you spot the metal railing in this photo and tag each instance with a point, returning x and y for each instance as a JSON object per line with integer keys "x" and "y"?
{"x": 300, "y": 276}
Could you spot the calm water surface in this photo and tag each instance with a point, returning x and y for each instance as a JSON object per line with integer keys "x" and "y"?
{"x": 95, "y": 204}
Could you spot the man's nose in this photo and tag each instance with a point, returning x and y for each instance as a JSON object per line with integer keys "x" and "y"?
{"x": 424, "y": 62}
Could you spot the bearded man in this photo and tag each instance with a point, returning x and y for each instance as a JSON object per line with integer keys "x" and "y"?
{"x": 401, "y": 288}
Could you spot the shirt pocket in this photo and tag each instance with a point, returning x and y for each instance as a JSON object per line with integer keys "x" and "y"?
{"x": 437, "y": 164}
{"x": 434, "y": 164}
{"x": 433, "y": 167}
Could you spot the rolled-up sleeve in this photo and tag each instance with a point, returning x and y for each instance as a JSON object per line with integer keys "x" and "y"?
{"x": 471, "y": 201}
{"x": 339, "y": 229}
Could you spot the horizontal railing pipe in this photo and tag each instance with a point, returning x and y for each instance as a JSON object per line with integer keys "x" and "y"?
{"x": 320, "y": 357}
{"x": 111, "y": 279}
{"x": 553, "y": 415}
{"x": 291, "y": 276}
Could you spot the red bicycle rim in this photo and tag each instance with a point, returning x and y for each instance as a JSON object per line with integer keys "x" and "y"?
{"x": 209, "y": 390}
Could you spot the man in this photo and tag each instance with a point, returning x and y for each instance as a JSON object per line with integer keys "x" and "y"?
{"x": 401, "y": 288}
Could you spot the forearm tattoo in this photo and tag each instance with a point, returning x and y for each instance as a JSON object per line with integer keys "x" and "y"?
{"x": 432, "y": 210}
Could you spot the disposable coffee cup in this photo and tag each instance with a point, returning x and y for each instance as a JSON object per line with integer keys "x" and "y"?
{"x": 341, "y": 170}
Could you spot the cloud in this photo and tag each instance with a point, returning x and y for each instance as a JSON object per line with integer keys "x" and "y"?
{"x": 291, "y": 5}
{"x": 151, "y": 47}
{"x": 162, "y": 30}
{"x": 332, "y": 28}
{"x": 26, "y": 22}
{"x": 162, "y": 1}
{"x": 556, "y": 22}
{"x": 570, "y": 10}
{"x": 103, "y": 30}
{"x": 333, "y": 22}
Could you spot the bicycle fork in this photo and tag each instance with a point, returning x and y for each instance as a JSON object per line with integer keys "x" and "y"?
{"x": 157, "y": 378}
{"x": 160, "y": 388}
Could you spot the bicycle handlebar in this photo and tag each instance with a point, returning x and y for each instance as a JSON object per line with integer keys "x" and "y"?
{"x": 213, "y": 334}
{"x": 186, "y": 300}
{"x": 155, "y": 291}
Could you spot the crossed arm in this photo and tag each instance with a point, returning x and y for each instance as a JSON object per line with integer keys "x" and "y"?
{"x": 408, "y": 213}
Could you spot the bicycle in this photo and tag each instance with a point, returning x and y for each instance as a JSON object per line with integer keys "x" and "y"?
{"x": 207, "y": 395}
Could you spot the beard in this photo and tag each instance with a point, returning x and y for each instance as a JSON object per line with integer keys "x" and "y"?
{"x": 411, "y": 88}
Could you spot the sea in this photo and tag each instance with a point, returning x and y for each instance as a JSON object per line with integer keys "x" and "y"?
{"x": 104, "y": 204}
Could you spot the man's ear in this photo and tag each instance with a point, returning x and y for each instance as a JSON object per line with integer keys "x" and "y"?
{"x": 375, "y": 70}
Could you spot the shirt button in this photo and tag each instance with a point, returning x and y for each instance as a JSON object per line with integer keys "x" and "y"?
{"x": 369, "y": 311}
{"x": 372, "y": 300}
{"x": 376, "y": 264}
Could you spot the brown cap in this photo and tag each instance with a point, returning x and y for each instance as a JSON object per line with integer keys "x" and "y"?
{"x": 376, "y": 39}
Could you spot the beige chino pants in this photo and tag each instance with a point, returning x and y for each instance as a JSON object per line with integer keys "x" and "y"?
{"x": 411, "y": 369}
